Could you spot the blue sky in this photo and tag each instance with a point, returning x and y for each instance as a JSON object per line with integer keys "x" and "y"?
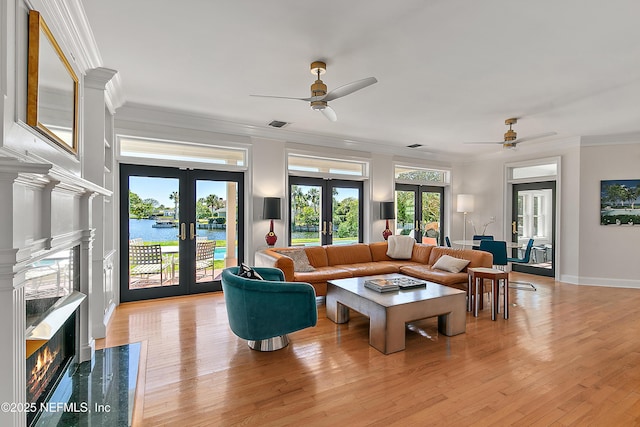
{"x": 161, "y": 188}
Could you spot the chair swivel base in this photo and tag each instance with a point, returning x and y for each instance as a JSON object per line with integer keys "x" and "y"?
{"x": 270, "y": 344}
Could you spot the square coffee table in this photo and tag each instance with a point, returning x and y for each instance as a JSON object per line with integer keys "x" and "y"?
{"x": 389, "y": 312}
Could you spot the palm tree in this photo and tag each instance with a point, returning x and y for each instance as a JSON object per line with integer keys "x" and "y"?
{"x": 214, "y": 202}
{"x": 175, "y": 196}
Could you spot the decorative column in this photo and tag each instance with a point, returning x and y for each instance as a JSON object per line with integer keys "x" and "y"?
{"x": 12, "y": 303}
{"x": 93, "y": 169}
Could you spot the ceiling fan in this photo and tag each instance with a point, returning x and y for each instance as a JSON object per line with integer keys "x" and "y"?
{"x": 511, "y": 137}
{"x": 319, "y": 97}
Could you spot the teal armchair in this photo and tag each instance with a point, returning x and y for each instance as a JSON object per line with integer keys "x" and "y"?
{"x": 263, "y": 312}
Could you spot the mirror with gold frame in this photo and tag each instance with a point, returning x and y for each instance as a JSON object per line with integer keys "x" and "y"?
{"x": 52, "y": 87}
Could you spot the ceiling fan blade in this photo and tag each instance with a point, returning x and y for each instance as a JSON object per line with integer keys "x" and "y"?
{"x": 329, "y": 113}
{"x": 285, "y": 97}
{"x": 349, "y": 88}
{"x": 484, "y": 142}
{"x": 531, "y": 137}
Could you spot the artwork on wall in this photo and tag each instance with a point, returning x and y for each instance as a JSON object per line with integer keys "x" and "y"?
{"x": 620, "y": 202}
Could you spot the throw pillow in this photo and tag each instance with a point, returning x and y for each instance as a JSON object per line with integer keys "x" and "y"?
{"x": 301, "y": 262}
{"x": 249, "y": 273}
{"x": 400, "y": 247}
{"x": 451, "y": 264}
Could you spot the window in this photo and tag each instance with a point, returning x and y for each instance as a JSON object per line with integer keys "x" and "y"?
{"x": 299, "y": 164}
{"x": 181, "y": 151}
{"x": 407, "y": 174}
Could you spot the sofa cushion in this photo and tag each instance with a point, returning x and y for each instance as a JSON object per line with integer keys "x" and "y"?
{"x": 317, "y": 256}
{"x": 400, "y": 247}
{"x": 451, "y": 264}
{"x": 421, "y": 253}
{"x": 348, "y": 254}
{"x": 322, "y": 274}
{"x": 428, "y": 273}
{"x": 299, "y": 257}
{"x": 379, "y": 251}
{"x": 371, "y": 268}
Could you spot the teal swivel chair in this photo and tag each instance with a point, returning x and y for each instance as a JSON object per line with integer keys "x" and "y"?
{"x": 263, "y": 312}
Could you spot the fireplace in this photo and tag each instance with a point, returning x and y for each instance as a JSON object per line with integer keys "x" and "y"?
{"x": 47, "y": 365}
{"x": 52, "y": 301}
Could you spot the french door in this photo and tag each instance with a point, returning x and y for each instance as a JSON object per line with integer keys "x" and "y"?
{"x": 324, "y": 212}
{"x": 420, "y": 212}
{"x": 179, "y": 228}
{"x": 533, "y": 217}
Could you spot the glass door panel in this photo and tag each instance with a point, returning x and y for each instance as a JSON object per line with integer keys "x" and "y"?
{"x": 406, "y": 215}
{"x": 306, "y": 215}
{"x": 325, "y": 212}
{"x": 216, "y": 229}
{"x": 153, "y": 220}
{"x": 432, "y": 212}
{"x": 533, "y": 217}
{"x": 345, "y": 221}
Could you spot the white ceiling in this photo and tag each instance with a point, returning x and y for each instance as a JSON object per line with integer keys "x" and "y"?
{"x": 448, "y": 71}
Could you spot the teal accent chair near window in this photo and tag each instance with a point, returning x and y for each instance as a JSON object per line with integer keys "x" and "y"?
{"x": 263, "y": 312}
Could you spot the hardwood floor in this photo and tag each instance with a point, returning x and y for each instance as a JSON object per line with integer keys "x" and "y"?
{"x": 568, "y": 355}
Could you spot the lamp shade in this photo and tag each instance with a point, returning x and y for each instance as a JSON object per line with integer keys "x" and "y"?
{"x": 387, "y": 210}
{"x": 465, "y": 203}
{"x": 272, "y": 208}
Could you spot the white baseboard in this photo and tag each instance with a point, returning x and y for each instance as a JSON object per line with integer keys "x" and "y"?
{"x": 600, "y": 281}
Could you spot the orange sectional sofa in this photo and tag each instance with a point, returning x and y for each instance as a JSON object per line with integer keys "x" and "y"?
{"x": 361, "y": 259}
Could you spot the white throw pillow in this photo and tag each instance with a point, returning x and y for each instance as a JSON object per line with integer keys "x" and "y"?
{"x": 451, "y": 264}
{"x": 400, "y": 247}
{"x": 301, "y": 262}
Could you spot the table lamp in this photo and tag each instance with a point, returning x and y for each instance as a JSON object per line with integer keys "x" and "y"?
{"x": 387, "y": 211}
{"x": 465, "y": 205}
{"x": 271, "y": 211}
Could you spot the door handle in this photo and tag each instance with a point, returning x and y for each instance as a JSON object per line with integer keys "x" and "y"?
{"x": 330, "y": 228}
{"x": 324, "y": 227}
{"x": 192, "y": 231}
{"x": 514, "y": 227}
{"x": 183, "y": 231}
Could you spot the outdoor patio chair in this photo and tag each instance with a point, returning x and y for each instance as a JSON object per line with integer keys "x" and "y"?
{"x": 146, "y": 261}
{"x": 205, "y": 251}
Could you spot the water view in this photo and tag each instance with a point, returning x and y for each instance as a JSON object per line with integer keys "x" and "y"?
{"x": 143, "y": 229}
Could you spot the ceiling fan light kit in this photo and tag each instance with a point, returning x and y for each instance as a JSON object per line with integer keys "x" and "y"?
{"x": 318, "y": 68}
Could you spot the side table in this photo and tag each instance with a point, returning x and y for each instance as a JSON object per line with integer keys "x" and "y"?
{"x": 475, "y": 288}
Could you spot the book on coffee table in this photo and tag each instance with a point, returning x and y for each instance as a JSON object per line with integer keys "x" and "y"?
{"x": 410, "y": 283}
{"x": 381, "y": 285}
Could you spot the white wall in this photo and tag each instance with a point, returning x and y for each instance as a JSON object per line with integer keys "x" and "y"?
{"x": 486, "y": 180}
{"x": 608, "y": 255}
{"x": 268, "y": 179}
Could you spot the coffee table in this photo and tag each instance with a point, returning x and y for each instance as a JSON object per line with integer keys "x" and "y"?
{"x": 389, "y": 312}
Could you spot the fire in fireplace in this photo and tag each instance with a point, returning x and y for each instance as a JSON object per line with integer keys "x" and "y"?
{"x": 52, "y": 301}
{"x": 48, "y": 363}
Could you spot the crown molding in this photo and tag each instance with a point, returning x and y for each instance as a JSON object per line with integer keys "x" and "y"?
{"x": 611, "y": 139}
{"x": 132, "y": 112}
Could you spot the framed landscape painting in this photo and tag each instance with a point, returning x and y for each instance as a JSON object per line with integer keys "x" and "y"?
{"x": 620, "y": 202}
